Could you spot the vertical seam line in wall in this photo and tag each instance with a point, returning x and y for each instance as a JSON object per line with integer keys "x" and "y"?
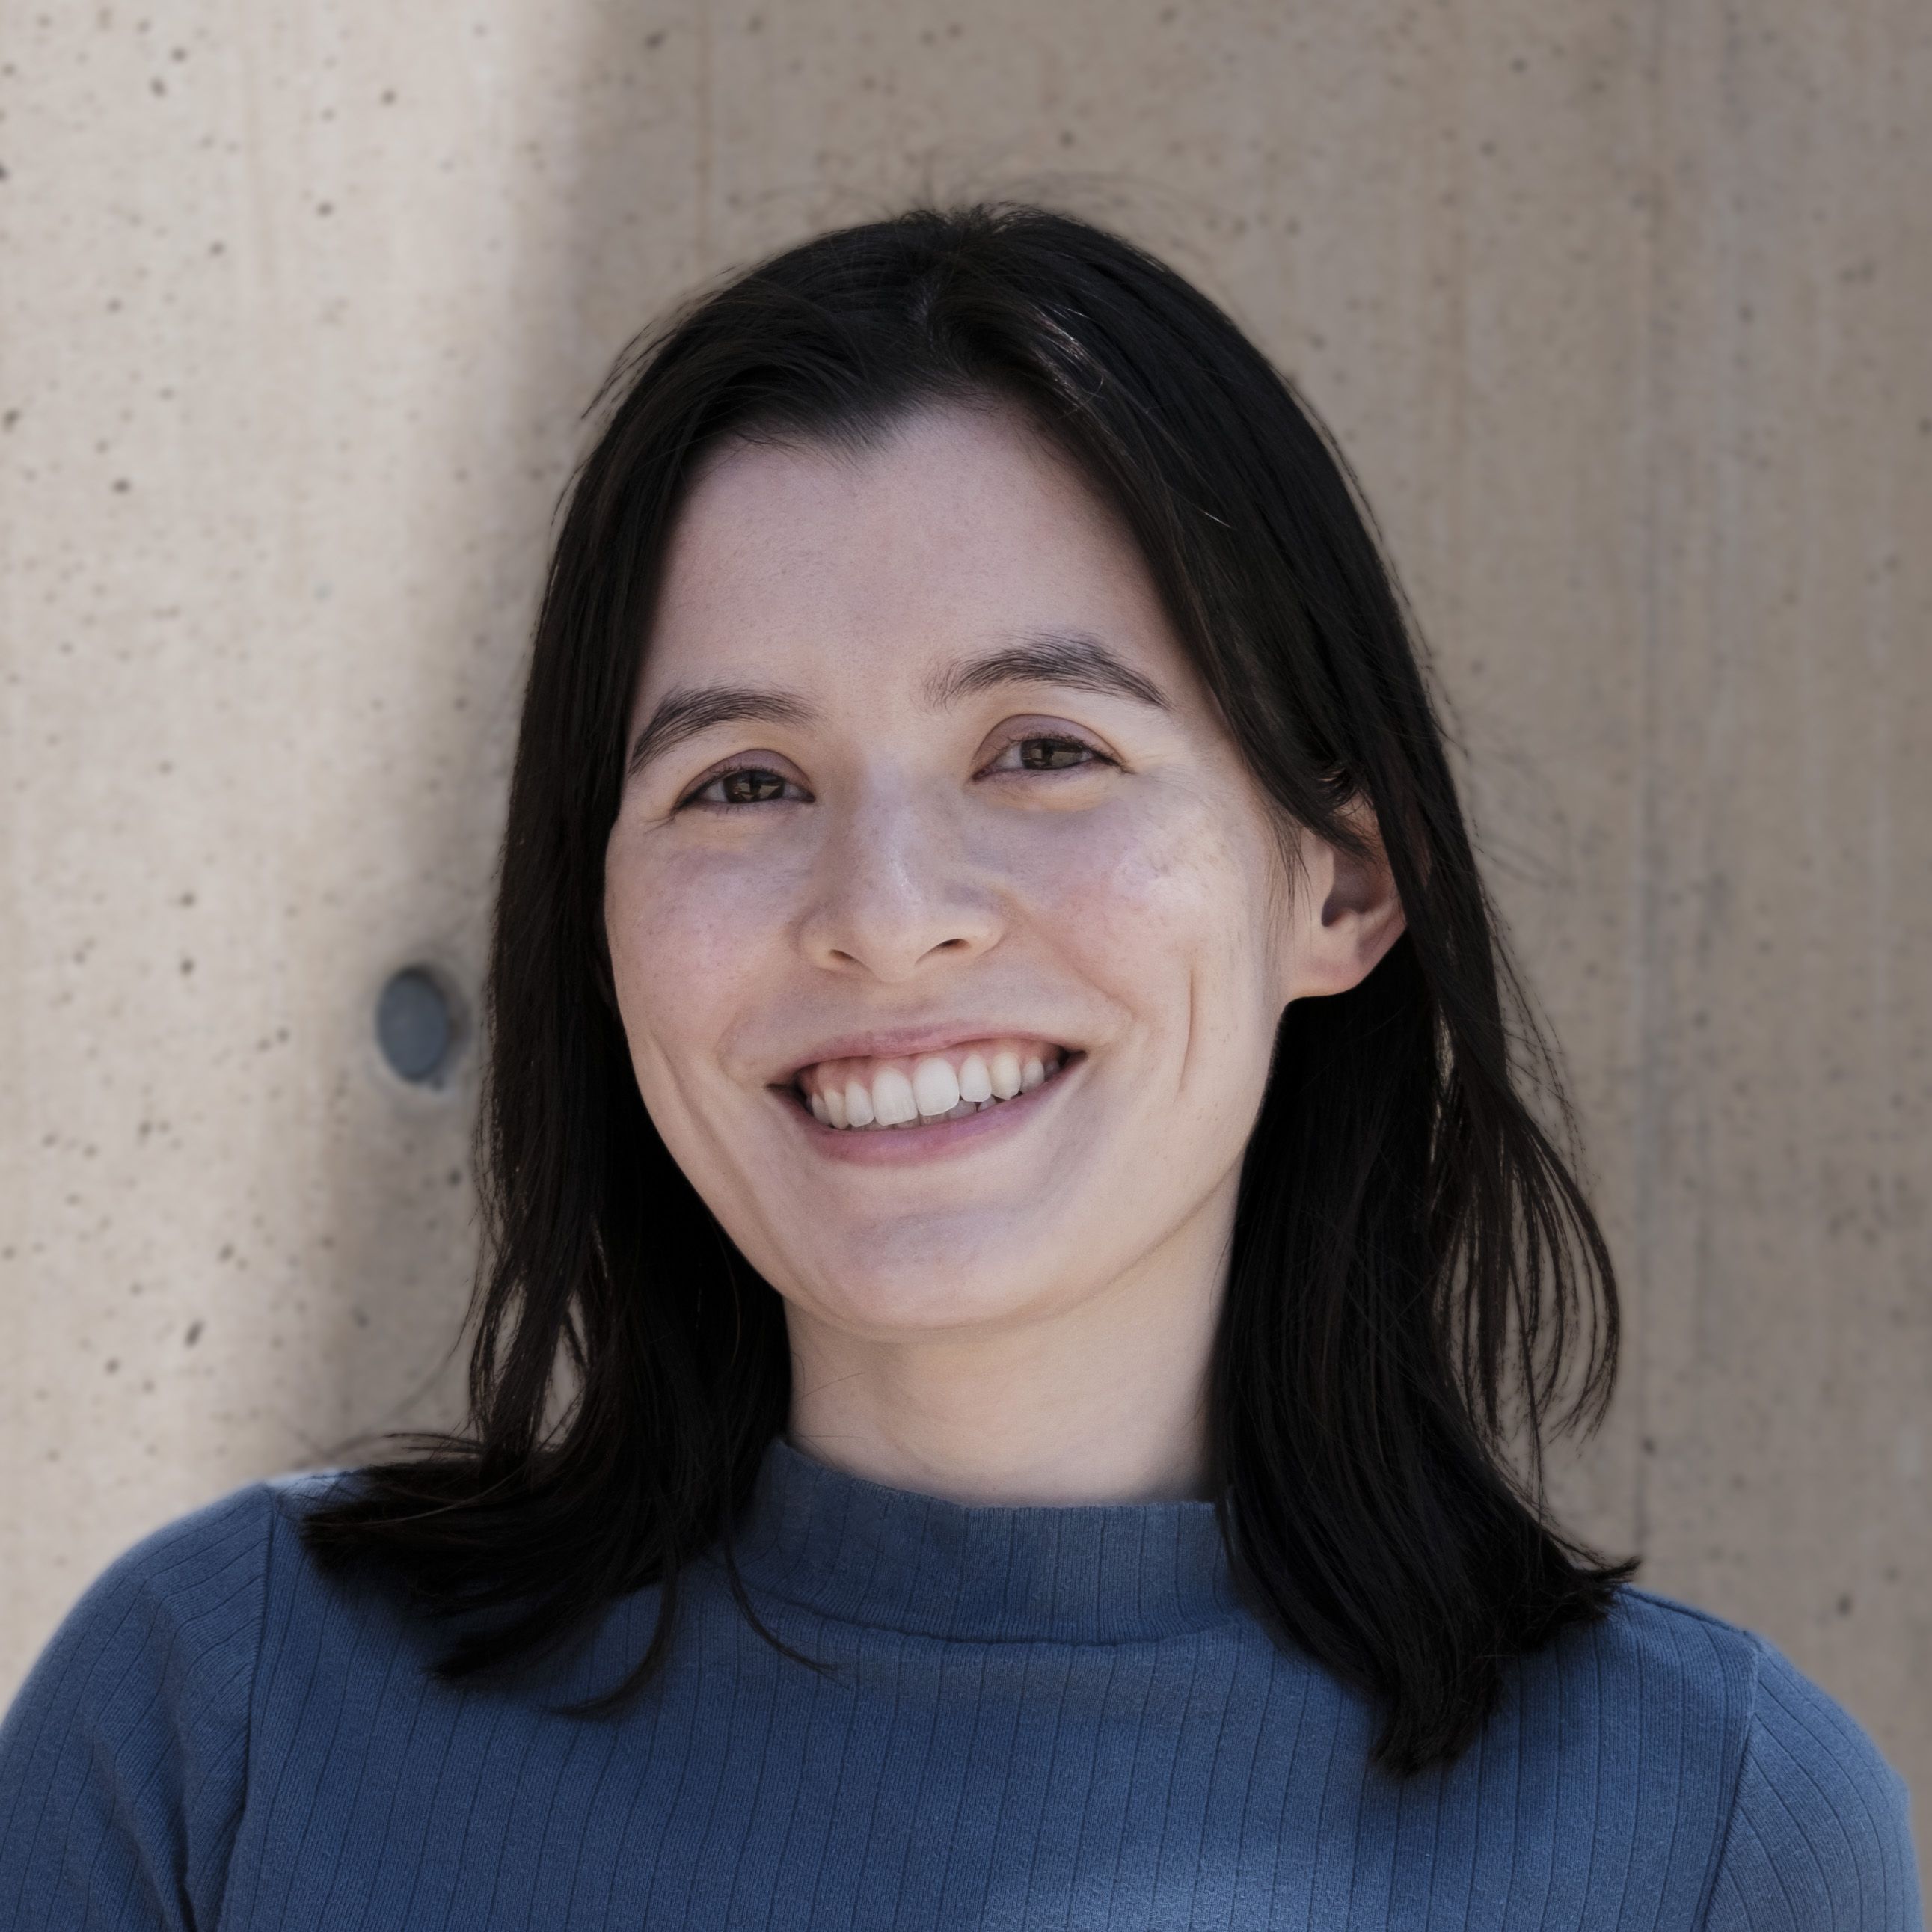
{"x": 703, "y": 13}
{"x": 1646, "y": 889}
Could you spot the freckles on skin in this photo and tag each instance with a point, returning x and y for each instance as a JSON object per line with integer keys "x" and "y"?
{"x": 1164, "y": 889}
{"x": 699, "y": 958}
{"x": 711, "y": 919}
{"x": 1133, "y": 908}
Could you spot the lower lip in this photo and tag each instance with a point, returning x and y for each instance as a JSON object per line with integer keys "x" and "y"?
{"x": 908, "y": 1147}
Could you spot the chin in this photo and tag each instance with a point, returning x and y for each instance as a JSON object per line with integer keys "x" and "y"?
{"x": 919, "y": 1282}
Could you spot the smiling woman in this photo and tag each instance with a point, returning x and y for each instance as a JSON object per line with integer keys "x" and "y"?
{"x": 1023, "y": 1297}
{"x": 926, "y": 800}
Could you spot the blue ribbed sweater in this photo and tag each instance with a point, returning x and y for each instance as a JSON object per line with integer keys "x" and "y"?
{"x": 1038, "y": 1717}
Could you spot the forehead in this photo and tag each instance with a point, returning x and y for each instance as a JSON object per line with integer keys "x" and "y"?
{"x": 962, "y": 527}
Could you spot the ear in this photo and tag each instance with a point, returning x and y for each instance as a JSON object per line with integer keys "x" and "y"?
{"x": 1347, "y": 912}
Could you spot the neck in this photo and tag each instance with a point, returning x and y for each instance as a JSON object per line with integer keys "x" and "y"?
{"x": 1098, "y": 1398}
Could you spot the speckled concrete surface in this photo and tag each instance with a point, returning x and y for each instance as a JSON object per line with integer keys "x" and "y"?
{"x": 1620, "y": 312}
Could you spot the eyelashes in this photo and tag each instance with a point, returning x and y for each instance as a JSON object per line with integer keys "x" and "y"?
{"x": 740, "y": 786}
{"x": 1032, "y": 754}
{"x": 1042, "y": 751}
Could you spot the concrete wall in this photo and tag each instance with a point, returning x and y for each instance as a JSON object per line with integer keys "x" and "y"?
{"x": 1620, "y": 311}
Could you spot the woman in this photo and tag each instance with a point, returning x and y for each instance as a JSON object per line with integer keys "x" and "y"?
{"x": 1017, "y": 1260}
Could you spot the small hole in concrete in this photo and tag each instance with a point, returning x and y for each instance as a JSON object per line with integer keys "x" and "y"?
{"x": 416, "y": 1026}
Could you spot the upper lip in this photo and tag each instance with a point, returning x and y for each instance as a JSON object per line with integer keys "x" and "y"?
{"x": 907, "y": 1042}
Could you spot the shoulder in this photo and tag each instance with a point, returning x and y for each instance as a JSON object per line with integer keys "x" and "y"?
{"x": 1652, "y": 1653}
{"x": 1811, "y": 1827}
{"x": 1820, "y": 1830}
{"x": 182, "y": 1608}
{"x": 125, "y": 1753}
{"x": 197, "y": 1585}
{"x": 193, "y": 1589}
{"x": 1654, "y": 1682}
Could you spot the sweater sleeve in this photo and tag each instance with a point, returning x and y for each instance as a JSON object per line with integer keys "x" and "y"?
{"x": 123, "y": 1761}
{"x": 1819, "y": 1839}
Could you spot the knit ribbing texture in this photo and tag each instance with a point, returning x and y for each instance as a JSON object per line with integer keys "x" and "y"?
{"x": 1035, "y": 1717}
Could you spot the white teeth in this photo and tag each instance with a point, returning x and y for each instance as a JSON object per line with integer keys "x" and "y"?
{"x": 892, "y": 1103}
{"x": 897, "y": 1094}
{"x": 935, "y": 1087}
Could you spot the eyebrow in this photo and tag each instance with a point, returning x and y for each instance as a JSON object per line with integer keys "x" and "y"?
{"x": 683, "y": 714}
{"x": 1073, "y": 658}
{"x": 1070, "y": 658}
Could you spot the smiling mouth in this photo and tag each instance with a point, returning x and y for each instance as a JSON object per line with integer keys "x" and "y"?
{"x": 871, "y": 1096}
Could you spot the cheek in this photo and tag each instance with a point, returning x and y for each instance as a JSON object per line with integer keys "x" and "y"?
{"x": 690, "y": 938}
{"x": 1170, "y": 895}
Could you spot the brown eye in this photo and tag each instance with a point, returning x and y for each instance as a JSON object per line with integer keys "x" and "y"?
{"x": 751, "y": 787}
{"x": 1052, "y": 755}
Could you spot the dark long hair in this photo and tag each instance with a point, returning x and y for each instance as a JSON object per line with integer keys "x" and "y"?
{"x": 1418, "y": 1291}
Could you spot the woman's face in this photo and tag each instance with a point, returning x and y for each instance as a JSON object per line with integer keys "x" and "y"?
{"x": 950, "y": 932}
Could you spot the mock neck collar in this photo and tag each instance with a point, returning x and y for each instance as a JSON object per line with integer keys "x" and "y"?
{"x": 1084, "y": 1573}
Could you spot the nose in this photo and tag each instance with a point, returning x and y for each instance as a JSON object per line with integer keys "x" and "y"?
{"x": 895, "y": 891}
